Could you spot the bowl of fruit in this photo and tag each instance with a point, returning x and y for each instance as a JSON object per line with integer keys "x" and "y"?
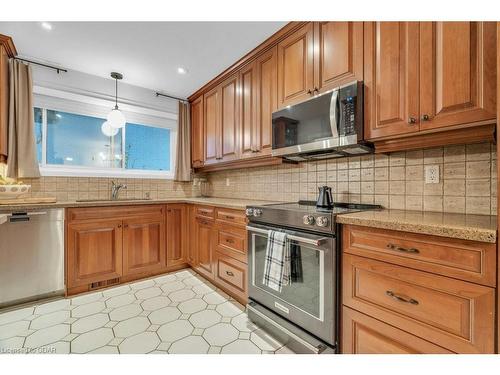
{"x": 11, "y": 189}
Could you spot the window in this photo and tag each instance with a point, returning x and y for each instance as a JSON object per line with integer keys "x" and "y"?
{"x": 70, "y": 142}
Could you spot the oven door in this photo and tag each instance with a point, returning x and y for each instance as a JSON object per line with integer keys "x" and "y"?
{"x": 310, "y": 298}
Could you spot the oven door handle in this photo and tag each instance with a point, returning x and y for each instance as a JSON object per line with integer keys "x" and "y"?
{"x": 310, "y": 241}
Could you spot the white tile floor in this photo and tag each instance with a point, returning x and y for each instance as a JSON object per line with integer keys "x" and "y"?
{"x": 175, "y": 313}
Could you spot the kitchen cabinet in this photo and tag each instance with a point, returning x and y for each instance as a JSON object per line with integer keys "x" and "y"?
{"x": 143, "y": 245}
{"x": 197, "y": 136}
{"x": 317, "y": 58}
{"x": 248, "y": 110}
{"x": 7, "y": 50}
{"x": 192, "y": 249}
{"x": 204, "y": 231}
{"x": 93, "y": 252}
{"x": 211, "y": 123}
{"x": 177, "y": 238}
{"x": 421, "y": 76}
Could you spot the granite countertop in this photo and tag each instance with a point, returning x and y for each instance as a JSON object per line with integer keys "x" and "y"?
{"x": 481, "y": 228}
{"x": 209, "y": 201}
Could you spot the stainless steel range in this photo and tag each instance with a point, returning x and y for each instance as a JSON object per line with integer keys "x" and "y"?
{"x": 305, "y": 313}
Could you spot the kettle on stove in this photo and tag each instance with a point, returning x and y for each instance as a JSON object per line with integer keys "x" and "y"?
{"x": 325, "y": 199}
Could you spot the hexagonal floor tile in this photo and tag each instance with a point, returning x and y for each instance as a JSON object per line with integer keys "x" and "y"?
{"x": 15, "y": 315}
{"x": 89, "y": 323}
{"x": 12, "y": 343}
{"x": 121, "y": 300}
{"x": 59, "y": 347}
{"x": 92, "y": 340}
{"x": 220, "y": 334}
{"x": 46, "y": 336}
{"x": 148, "y": 293}
{"x": 155, "y": 303}
{"x": 189, "y": 345}
{"x": 164, "y": 315}
{"x": 243, "y": 324}
{"x": 143, "y": 284}
{"x": 116, "y": 291}
{"x": 50, "y": 319}
{"x": 172, "y": 287}
{"x": 192, "y": 306}
{"x": 214, "y": 298}
{"x": 131, "y": 326}
{"x": 181, "y": 295}
{"x": 192, "y": 281}
{"x": 185, "y": 273}
{"x": 105, "y": 350}
{"x": 229, "y": 309}
{"x": 87, "y": 309}
{"x": 125, "y": 312}
{"x": 264, "y": 341}
{"x": 205, "y": 318}
{"x": 52, "y": 306}
{"x": 142, "y": 343}
{"x": 165, "y": 279}
{"x": 175, "y": 330}
{"x": 241, "y": 347}
{"x": 86, "y": 298}
{"x": 203, "y": 289}
{"x": 13, "y": 329}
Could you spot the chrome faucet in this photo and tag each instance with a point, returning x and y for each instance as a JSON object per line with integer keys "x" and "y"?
{"x": 115, "y": 189}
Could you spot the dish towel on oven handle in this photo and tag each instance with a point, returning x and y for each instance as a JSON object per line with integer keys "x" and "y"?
{"x": 277, "y": 263}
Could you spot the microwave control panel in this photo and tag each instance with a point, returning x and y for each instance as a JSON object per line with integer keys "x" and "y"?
{"x": 350, "y": 98}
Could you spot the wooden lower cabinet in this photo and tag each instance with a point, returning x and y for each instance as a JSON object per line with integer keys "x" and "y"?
{"x": 204, "y": 233}
{"x": 231, "y": 274}
{"x": 93, "y": 252}
{"x": 177, "y": 239}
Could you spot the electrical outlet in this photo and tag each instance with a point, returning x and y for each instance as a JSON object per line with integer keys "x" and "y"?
{"x": 432, "y": 174}
{"x": 227, "y": 181}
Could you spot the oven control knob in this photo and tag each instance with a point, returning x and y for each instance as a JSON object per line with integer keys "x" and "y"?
{"x": 257, "y": 212}
{"x": 322, "y": 221}
{"x": 249, "y": 212}
{"x": 308, "y": 219}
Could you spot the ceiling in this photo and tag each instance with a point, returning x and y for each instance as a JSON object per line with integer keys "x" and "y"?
{"x": 146, "y": 53}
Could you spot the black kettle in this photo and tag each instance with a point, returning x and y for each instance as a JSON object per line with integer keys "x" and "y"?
{"x": 325, "y": 199}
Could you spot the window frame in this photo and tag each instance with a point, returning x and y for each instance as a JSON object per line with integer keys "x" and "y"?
{"x": 88, "y": 105}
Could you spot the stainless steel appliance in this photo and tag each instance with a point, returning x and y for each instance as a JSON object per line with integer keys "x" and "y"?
{"x": 31, "y": 255}
{"x": 325, "y": 199}
{"x": 325, "y": 126}
{"x": 305, "y": 312}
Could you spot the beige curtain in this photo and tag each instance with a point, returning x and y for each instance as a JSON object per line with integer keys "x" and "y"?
{"x": 183, "y": 158}
{"x": 22, "y": 160}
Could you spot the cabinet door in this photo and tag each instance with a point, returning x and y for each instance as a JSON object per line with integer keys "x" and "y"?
{"x": 4, "y": 101}
{"x": 229, "y": 119}
{"x": 457, "y": 73}
{"x": 192, "y": 243}
{"x": 205, "y": 244}
{"x": 267, "y": 99}
{"x": 296, "y": 66}
{"x": 143, "y": 245}
{"x": 176, "y": 234}
{"x": 248, "y": 109}
{"x": 339, "y": 54}
{"x": 391, "y": 78}
{"x": 197, "y": 136}
{"x": 94, "y": 252}
{"x": 211, "y": 117}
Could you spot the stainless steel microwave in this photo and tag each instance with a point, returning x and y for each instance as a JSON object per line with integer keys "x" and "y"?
{"x": 325, "y": 126}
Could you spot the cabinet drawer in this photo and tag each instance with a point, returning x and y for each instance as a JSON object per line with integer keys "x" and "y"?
{"x": 466, "y": 260}
{"x": 205, "y": 211}
{"x": 232, "y": 275}
{"x": 362, "y": 334}
{"x": 232, "y": 241}
{"x": 91, "y": 213}
{"x": 450, "y": 313}
{"x": 231, "y": 216}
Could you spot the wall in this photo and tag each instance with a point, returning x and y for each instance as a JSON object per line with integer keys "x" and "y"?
{"x": 467, "y": 185}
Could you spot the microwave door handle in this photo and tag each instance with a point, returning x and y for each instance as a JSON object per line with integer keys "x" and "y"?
{"x": 334, "y": 119}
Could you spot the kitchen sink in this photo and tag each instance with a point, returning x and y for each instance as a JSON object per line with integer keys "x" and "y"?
{"x": 113, "y": 200}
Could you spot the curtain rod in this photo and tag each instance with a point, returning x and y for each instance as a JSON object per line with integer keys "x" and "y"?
{"x": 44, "y": 65}
{"x": 171, "y": 97}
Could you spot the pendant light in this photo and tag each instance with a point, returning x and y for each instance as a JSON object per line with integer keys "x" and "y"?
{"x": 116, "y": 119}
{"x": 109, "y": 131}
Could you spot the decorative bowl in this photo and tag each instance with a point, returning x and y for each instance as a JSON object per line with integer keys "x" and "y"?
{"x": 13, "y": 191}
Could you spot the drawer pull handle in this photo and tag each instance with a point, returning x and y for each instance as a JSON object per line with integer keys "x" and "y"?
{"x": 229, "y": 240}
{"x": 401, "y": 299}
{"x": 229, "y": 273}
{"x": 229, "y": 217}
{"x": 412, "y": 250}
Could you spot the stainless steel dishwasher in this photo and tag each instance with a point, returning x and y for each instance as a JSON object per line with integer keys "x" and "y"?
{"x": 31, "y": 255}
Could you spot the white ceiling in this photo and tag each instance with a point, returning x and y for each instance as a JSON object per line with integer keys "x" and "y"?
{"x": 146, "y": 53}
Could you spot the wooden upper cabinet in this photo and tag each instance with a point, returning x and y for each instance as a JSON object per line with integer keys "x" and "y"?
{"x": 93, "y": 251}
{"x": 338, "y": 54}
{"x": 248, "y": 78}
{"x": 7, "y": 50}
{"x": 197, "y": 137}
{"x": 229, "y": 122}
{"x": 267, "y": 99}
{"x": 176, "y": 234}
{"x": 457, "y": 73}
{"x": 211, "y": 123}
{"x": 143, "y": 245}
{"x": 391, "y": 78}
{"x": 296, "y": 66}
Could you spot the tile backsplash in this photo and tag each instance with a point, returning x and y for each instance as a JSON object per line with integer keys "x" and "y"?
{"x": 467, "y": 184}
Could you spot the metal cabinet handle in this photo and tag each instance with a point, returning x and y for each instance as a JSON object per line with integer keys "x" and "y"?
{"x": 229, "y": 273}
{"x": 218, "y": 158}
{"x": 229, "y": 240}
{"x": 411, "y": 250}
{"x": 393, "y": 295}
{"x": 425, "y": 118}
{"x": 412, "y": 120}
{"x": 229, "y": 217}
